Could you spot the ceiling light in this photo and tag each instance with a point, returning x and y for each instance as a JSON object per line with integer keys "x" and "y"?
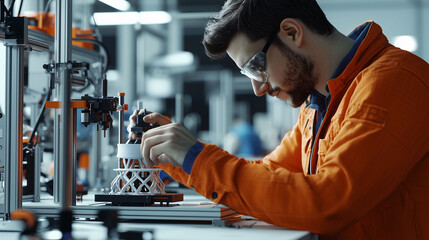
{"x": 116, "y": 18}
{"x": 154, "y": 17}
{"x": 118, "y": 4}
{"x": 405, "y": 42}
{"x": 130, "y": 18}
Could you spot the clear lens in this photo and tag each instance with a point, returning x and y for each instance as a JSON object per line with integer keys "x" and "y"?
{"x": 255, "y": 68}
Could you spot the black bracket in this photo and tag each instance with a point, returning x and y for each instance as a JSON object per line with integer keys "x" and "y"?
{"x": 74, "y": 66}
{"x": 16, "y": 29}
{"x": 142, "y": 126}
{"x": 2, "y": 11}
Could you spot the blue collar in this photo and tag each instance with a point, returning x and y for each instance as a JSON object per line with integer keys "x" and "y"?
{"x": 317, "y": 100}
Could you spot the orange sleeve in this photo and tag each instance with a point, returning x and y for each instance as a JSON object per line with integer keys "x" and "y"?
{"x": 176, "y": 173}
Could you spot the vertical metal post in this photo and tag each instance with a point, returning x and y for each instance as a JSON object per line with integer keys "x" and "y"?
{"x": 127, "y": 58}
{"x": 121, "y": 122}
{"x": 57, "y": 134}
{"x": 72, "y": 132}
{"x": 95, "y": 159}
{"x": 227, "y": 100}
{"x": 37, "y": 156}
{"x": 175, "y": 31}
{"x": 63, "y": 27}
{"x": 14, "y": 121}
{"x": 179, "y": 103}
{"x": 121, "y": 118}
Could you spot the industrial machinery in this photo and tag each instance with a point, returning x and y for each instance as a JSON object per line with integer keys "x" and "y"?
{"x": 135, "y": 186}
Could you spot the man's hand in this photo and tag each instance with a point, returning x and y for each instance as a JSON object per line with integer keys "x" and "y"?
{"x": 167, "y": 144}
{"x": 133, "y": 118}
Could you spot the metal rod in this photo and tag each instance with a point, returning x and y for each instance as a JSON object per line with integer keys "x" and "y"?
{"x": 179, "y": 107}
{"x": 121, "y": 118}
{"x": 72, "y": 132}
{"x": 14, "y": 122}
{"x": 63, "y": 26}
{"x": 121, "y": 122}
{"x": 57, "y": 156}
{"x": 104, "y": 87}
{"x": 37, "y": 156}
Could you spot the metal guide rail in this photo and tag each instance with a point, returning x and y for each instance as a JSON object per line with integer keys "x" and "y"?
{"x": 209, "y": 213}
{"x": 142, "y": 200}
{"x": 39, "y": 41}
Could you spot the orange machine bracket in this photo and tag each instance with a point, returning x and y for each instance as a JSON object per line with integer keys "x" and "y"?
{"x": 73, "y": 104}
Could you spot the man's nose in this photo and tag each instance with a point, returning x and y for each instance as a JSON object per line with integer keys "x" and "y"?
{"x": 259, "y": 88}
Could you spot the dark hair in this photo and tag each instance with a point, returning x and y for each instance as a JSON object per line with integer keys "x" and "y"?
{"x": 258, "y": 19}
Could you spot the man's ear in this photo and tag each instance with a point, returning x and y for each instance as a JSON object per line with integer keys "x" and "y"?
{"x": 292, "y": 31}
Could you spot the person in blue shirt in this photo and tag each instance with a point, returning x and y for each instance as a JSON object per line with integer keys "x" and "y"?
{"x": 242, "y": 140}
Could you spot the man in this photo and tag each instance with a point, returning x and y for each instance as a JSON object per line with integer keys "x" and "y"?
{"x": 356, "y": 164}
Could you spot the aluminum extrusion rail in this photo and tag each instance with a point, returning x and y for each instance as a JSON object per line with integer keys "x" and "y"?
{"x": 208, "y": 213}
{"x": 42, "y": 42}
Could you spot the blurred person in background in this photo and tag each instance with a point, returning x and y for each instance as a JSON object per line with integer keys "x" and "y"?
{"x": 242, "y": 140}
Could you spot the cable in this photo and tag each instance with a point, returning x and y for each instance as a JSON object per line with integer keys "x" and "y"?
{"x": 97, "y": 29}
{"x": 20, "y": 7}
{"x": 101, "y": 45}
{"x": 48, "y": 4}
{"x": 90, "y": 82}
{"x": 11, "y": 8}
{"x": 45, "y": 10}
{"x": 39, "y": 119}
{"x": 6, "y": 11}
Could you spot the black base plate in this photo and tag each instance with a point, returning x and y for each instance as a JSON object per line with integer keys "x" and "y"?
{"x": 139, "y": 200}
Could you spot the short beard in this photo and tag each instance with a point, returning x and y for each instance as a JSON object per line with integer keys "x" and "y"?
{"x": 298, "y": 75}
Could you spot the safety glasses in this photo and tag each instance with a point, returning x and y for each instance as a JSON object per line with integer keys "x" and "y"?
{"x": 255, "y": 68}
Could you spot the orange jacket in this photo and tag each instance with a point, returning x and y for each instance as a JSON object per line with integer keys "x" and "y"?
{"x": 372, "y": 177}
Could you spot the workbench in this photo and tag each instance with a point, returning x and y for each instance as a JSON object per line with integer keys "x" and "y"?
{"x": 194, "y": 218}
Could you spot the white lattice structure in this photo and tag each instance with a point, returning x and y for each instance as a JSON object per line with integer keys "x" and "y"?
{"x": 133, "y": 176}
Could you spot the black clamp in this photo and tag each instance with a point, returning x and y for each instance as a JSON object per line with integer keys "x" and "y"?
{"x": 74, "y": 66}
{"x": 142, "y": 126}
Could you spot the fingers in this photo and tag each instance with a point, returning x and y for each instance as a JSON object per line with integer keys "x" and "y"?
{"x": 154, "y": 146}
{"x": 132, "y": 136}
{"x": 156, "y": 118}
{"x": 158, "y": 156}
{"x": 132, "y": 120}
{"x": 134, "y": 116}
{"x": 175, "y": 131}
{"x": 149, "y": 118}
{"x": 149, "y": 163}
{"x": 164, "y": 159}
{"x": 174, "y": 140}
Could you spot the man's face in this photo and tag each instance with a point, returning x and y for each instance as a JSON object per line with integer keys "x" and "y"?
{"x": 290, "y": 74}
